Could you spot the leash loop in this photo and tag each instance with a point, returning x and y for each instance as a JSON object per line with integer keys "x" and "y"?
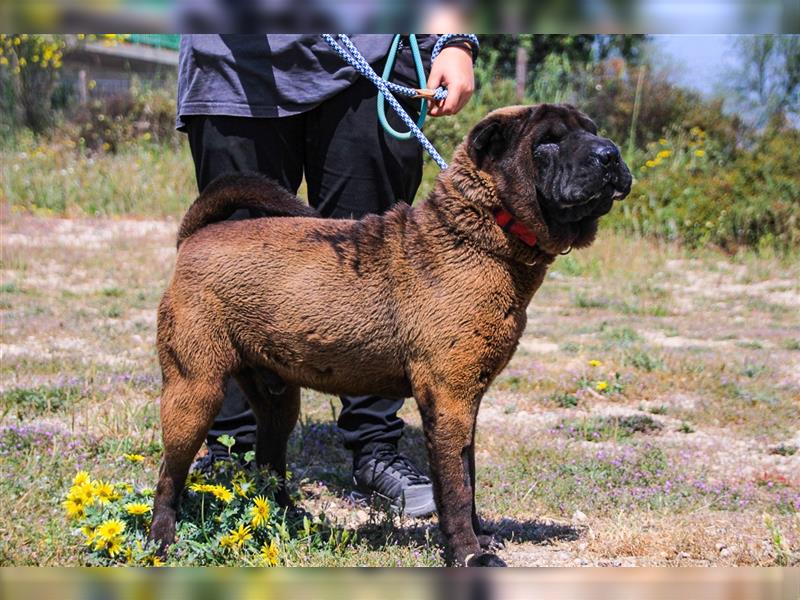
{"x": 345, "y": 48}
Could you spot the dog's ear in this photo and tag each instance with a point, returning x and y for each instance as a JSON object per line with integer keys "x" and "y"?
{"x": 488, "y": 140}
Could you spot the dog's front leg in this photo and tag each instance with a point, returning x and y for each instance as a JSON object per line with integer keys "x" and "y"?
{"x": 448, "y": 421}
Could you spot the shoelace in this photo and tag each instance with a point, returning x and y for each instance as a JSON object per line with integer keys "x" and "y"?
{"x": 392, "y": 459}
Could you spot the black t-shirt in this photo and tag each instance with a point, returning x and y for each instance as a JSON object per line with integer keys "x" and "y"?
{"x": 274, "y": 75}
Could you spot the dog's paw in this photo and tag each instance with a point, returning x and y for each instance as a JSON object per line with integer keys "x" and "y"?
{"x": 489, "y": 542}
{"x": 485, "y": 559}
{"x": 162, "y": 534}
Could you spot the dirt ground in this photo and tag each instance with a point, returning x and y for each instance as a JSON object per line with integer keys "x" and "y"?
{"x": 649, "y": 417}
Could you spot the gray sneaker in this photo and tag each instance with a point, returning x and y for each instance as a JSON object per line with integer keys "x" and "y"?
{"x": 390, "y": 475}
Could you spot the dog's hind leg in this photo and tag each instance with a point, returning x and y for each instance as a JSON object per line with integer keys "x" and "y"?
{"x": 188, "y": 408}
{"x": 276, "y": 415}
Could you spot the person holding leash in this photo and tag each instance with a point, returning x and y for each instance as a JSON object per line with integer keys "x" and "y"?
{"x": 288, "y": 107}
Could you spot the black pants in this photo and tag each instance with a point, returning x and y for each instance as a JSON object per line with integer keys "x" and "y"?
{"x": 351, "y": 168}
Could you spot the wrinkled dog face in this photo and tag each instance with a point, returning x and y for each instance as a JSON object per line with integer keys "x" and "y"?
{"x": 550, "y": 165}
{"x": 578, "y": 174}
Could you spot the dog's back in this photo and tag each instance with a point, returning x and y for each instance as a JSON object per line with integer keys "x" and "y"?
{"x": 229, "y": 193}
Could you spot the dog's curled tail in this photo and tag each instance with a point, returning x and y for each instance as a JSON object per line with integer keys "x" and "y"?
{"x": 229, "y": 193}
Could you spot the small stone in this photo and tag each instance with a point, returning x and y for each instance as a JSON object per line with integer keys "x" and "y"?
{"x": 725, "y": 552}
{"x": 579, "y": 517}
{"x": 684, "y": 555}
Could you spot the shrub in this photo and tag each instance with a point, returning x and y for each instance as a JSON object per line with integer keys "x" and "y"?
{"x": 143, "y": 113}
{"x": 688, "y": 190}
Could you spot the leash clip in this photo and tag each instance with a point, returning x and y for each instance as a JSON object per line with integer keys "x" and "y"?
{"x": 425, "y": 93}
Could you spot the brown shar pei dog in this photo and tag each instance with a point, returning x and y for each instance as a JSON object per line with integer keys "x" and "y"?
{"x": 426, "y": 301}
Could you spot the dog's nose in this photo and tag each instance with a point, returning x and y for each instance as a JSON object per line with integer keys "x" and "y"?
{"x": 606, "y": 153}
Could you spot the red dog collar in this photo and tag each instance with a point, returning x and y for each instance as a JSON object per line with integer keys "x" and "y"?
{"x": 508, "y": 223}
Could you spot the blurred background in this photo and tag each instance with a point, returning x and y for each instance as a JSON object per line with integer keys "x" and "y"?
{"x": 689, "y": 111}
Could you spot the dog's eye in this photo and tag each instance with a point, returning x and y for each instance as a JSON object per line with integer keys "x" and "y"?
{"x": 550, "y": 138}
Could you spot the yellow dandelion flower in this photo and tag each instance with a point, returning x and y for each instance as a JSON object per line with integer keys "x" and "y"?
{"x": 153, "y": 561}
{"x": 137, "y": 508}
{"x": 650, "y": 163}
{"x": 226, "y": 542}
{"x": 243, "y": 488}
{"x": 270, "y": 553}
{"x": 112, "y": 546}
{"x": 3, "y": 61}
{"x": 663, "y": 142}
{"x": 108, "y": 530}
{"x": 104, "y": 492}
{"x": 595, "y": 363}
{"x": 601, "y": 385}
{"x": 73, "y": 509}
{"x": 221, "y": 493}
{"x": 700, "y": 153}
{"x": 259, "y": 511}
{"x": 89, "y": 532}
{"x": 81, "y": 496}
{"x": 239, "y": 537}
{"x": 664, "y": 154}
{"x": 134, "y": 458}
{"x": 195, "y": 477}
{"x": 80, "y": 478}
{"x": 201, "y": 487}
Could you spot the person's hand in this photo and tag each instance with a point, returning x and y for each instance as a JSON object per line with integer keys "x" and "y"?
{"x": 453, "y": 70}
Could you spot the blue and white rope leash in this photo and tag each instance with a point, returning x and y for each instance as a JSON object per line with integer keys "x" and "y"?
{"x": 350, "y": 54}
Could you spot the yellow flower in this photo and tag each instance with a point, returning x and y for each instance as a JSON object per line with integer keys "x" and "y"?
{"x": 108, "y": 530}
{"x": 700, "y": 153}
{"x": 650, "y": 163}
{"x": 241, "y": 536}
{"x": 89, "y": 532}
{"x": 134, "y": 458}
{"x": 3, "y": 61}
{"x": 137, "y": 508}
{"x": 595, "y": 363}
{"x": 74, "y": 510}
{"x": 221, "y": 493}
{"x": 195, "y": 477}
{"x": 82, "y": 494}
{"x": 664, "y": 154}
{"x": 243, "y": 488}
{"x": 200, "y": 487}
{"x": 601, "y": 385}
{"x": 663, "y": 142}
{"x": 153, "y": 561}
{"x": 80, "y": 478}
{"x": 259, "y": 511}
{"x": 269, "y": 554}
{"x": 112, "y": 546}
{"x": 104, "y": 492}
{"x": 226, "y": 542}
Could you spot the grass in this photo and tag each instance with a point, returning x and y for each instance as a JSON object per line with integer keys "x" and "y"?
{"x": 141, "y": 180}
{"x": 691, "y": 443}
{"x": 601, "y": 429}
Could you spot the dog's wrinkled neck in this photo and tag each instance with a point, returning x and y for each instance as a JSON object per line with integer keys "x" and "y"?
{"x": 468, "y": 203}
